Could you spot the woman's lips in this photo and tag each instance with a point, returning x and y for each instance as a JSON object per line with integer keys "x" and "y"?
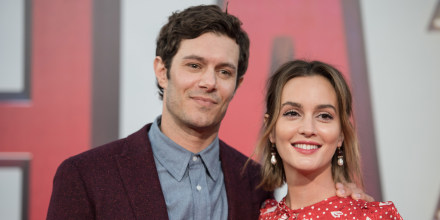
{"x": 306, "y": 148}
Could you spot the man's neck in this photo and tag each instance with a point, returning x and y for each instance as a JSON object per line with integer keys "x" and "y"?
{"x": 192, "y": 139}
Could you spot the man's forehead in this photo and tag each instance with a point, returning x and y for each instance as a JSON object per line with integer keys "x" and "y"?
{"x": 209, "y": 45}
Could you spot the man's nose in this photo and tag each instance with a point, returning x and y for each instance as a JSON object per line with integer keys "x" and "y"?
{"x": 208, "y": 80}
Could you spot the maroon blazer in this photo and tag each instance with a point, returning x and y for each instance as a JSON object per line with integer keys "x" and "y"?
{"x": 119, "y": 180}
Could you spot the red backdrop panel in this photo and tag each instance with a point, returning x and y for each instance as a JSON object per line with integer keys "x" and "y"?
{"x": 55, "y": 123}
{"x": 316, "y": 30}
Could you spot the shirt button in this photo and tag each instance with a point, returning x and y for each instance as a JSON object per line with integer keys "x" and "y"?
{"x": 194, "y": 158}
{"x": 199, "y": 187}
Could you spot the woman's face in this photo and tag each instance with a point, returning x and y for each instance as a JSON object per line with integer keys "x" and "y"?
{"x": 308, "y": 129}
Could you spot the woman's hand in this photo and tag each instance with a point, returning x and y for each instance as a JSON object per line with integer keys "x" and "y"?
{"x": 350, "y": 189}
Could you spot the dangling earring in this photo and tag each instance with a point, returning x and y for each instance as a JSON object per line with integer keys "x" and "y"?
{"x": 340, "y": 157}
{"x": 273, "y": 159}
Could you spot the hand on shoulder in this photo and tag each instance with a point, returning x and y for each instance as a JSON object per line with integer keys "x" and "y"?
{"x": 353, "y": 191}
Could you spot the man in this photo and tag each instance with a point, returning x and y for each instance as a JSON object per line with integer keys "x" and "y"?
{"x": 176, "y": 167}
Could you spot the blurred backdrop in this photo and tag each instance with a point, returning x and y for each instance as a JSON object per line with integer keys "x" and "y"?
{"x": 78, "y": 74}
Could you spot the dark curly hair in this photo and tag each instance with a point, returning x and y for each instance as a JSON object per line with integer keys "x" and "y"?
{"x": 195, "y": 21}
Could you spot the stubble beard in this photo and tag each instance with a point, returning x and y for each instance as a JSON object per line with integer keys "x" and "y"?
{"x": 199, "y": 120}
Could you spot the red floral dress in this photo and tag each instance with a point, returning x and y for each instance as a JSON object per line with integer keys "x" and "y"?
{"x": 331, "y": 208}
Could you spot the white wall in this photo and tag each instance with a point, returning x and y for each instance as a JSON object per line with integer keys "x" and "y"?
{"x": 404, "y": 72}
{"x": 140, "y": 25}
{"x": 11, "y": 179}
{"x": 12, "y": 46}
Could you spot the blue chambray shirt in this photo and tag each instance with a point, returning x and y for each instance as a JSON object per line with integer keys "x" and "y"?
{"x": 192, "y": 184}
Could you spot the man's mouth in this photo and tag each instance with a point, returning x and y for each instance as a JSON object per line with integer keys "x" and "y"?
{"x": 203, "y": 99}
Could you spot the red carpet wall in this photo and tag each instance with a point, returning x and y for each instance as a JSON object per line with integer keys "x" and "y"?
{"x": 55, "y": 122}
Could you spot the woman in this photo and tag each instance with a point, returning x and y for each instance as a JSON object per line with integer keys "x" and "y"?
{"x": 309, "y": 143}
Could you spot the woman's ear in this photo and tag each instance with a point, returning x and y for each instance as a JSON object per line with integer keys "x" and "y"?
{"x": 266, "y": 120}
{"x": 161, "y": 72}
{"x": 340, "y": 139}
{"x": 266, "y": 117}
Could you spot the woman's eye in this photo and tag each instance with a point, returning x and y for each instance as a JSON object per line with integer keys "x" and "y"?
{"x": 291, "y": 114}
{"x": 325, "y": 116}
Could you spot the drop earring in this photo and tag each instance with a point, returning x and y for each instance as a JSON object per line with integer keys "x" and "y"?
{"x": 273, "y": 159}
{"x": 340, "y": 157}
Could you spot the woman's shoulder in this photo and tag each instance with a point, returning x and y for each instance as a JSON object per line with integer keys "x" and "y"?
{"x": 360, "y": 209}
{"x": 334, "y": 207}
{"x": 369, "y": 210}
{"x": 381, "y": 210}
{"x": 268, "y": 206}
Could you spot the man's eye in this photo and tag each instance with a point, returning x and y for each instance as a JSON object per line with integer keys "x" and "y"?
{"x": 193, "y": 65}
{"x": 225, "y": 72}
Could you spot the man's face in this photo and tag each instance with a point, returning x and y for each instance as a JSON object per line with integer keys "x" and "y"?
{"x": 202, "y": 81}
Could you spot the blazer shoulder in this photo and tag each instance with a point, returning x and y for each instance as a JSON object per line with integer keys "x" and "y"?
{"x": 235, "y": 161}
{"x": 232, "y": 155}
{"x": 131, "y": 144}
{"x": 230, "y": 152}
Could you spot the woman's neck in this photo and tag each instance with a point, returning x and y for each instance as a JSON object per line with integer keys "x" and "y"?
{"x": 304, "y": 189}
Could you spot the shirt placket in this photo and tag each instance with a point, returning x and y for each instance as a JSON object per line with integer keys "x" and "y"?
{"x": 199, "y": 188}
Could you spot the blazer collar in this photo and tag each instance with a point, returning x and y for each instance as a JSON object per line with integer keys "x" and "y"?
{"x": 140, "y": 178}
{"x": 232, "y": 178}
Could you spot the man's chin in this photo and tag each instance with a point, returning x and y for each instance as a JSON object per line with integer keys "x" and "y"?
{"x": 204, "y": 125}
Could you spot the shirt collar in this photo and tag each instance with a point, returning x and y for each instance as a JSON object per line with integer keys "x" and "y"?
{"x": 175, "y": 158}
{"x": 211, "y": 158}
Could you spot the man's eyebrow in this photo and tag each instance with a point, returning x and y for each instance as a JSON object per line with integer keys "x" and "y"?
{"x": 201, "y": 59}
{"x": 193, "y": 57}
{"x": 230, "y": 65}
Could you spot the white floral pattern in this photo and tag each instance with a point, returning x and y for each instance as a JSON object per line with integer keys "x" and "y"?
{"x": 331, "y": 208}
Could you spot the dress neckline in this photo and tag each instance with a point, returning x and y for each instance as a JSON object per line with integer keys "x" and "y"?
{"x": 286, "y": 209}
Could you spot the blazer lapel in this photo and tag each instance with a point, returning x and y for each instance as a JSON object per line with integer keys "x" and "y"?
{"x": 232, "y": 179}
{"x": 244, "y": 199}
{"x": 139, "y": 176}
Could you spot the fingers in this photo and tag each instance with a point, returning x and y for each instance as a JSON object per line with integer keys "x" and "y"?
{"x": 341, "y": 191}
{"x": 356, "y": 193}
{"x": 344, "y": 189}
{"x": 368, "y": 198}
{"x": 350, "y": 189}
{"x": 357, "y": 196}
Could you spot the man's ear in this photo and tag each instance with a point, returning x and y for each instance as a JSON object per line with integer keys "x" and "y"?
{"x": 240, "y": 81}
{"x": 161, "y": 72}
